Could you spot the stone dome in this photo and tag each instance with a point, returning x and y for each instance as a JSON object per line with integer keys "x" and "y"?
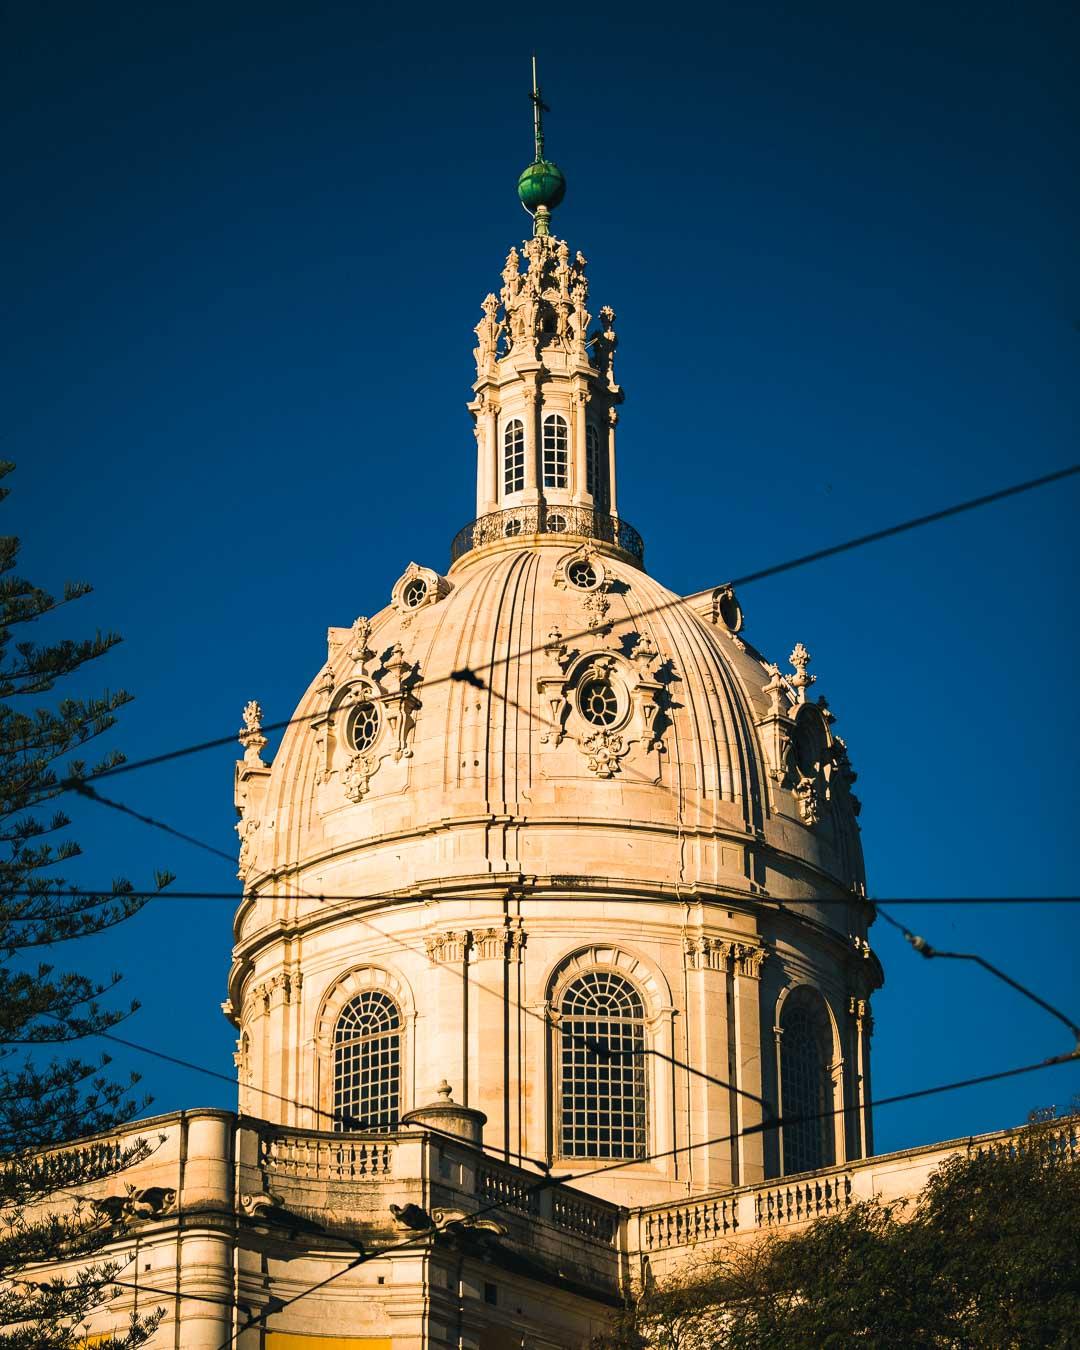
{"x": 450, "y": 740}
{"x": 541, "y": 792}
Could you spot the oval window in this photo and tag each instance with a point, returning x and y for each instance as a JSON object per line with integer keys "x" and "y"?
{"x": 414, "y": 593}
{"x": 581, "y": 574}
{"x": 599, "y": 702}
{"x": 364, "y": 726}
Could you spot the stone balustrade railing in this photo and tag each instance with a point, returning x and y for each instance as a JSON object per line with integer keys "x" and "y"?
{"x": 331, "y": 1159}
{"x": 801, "y": 1199}
{"x": 577, "y": 522}
{"x": 507, "y": 1186}
{"x": 797, "y": 1201}
{"x": 319, "y": 1158}
{"x": 681, "y": 1225}
{"x": 587, "y": 1218}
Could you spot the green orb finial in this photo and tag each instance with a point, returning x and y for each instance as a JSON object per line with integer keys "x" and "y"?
{"x": 541, "y": 186}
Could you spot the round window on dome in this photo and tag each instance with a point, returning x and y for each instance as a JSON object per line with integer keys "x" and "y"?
{"x": 512, "y": 527}
{"x": 414, "y": 593}
{"x": 598, "y": 702}
{"x": 364, "y": 726}
{"x": 581, "y": 574}
{"x": 556, "y": 524}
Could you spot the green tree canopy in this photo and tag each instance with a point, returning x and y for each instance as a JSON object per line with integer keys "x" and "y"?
{"x": 48, "y": 1097}
{"x": 987, "y": 1255}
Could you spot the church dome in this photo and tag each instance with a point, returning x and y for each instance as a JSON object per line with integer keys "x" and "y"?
{"x": 539, "y": 792}
{"x": 547, "y": 710}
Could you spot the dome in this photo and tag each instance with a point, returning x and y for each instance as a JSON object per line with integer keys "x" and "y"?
{"x": 541, "y": 184}
{"x": 541, "y": 787}
{"x": 548, "y": 710}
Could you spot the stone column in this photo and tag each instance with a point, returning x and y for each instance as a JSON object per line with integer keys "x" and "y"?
{"x": 581, "y": 399}
{"x": 532, "y": 445}
{"x": 660, "y": 1030}
{"x": 864, "y": 1025}
{"x": 747, "y": 963}
{"x": 711, "y": 1113}
{"x": 613, "y": 421}
{"x": 515, "y": 1047}
{"x": 445, "y": 1048}
{"x": 488, "y": 1012}
{"x": 479, "y": 431}
{"x": 490, "y": 495}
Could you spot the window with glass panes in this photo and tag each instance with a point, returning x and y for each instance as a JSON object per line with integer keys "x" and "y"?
{"x": 602, "y": 1068}
{"x": 805, "y": 1085}
{"x": 367, "y": 1063}
{"x": 513, "y": 456}
{"x": 555, "y": 451}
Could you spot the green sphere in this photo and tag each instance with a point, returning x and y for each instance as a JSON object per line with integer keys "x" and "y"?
{"x": 542, "y": 184}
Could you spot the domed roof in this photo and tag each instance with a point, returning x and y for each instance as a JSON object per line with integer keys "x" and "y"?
{"x": 547, "y": 711}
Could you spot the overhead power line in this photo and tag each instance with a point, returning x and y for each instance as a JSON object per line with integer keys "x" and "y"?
{"x": 236, "y": 897}
{"x": 924, "y": 949}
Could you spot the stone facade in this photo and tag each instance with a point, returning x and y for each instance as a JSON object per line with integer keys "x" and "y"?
{"x": 231, "y": 1218}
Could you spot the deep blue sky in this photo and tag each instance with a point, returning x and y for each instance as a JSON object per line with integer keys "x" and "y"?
{"x": 246, "y": 245}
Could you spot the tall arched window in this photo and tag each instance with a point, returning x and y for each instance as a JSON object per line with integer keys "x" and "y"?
{"x": 513, "y": 456}
{"x": 367, "y": 1063}
{"x": 602, "y": 1069}
{"x": 555, "y": 455}
{"x": 806, "y": 1083}
{"x": 596, "y": 479}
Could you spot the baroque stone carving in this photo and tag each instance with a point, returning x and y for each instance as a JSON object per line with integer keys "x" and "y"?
{"x": 251, "y": 736}
{"x": 389, "y": 723}
{"x": 247, "y": 828}
{"x": 282, "y": 988}
{"x": 603, "y": 750}
{"x": 137, "y": 1202}
{"x": 356, "y": 778}
{"x": 488, "y": 332}
{"x": 544, "y": 306}
{"x": 415, "y": 589}
{"x": 800, "y": 658}
{"x": 261, "y": 1204}
{"x": 359, "y": 637}
{"x": 444, "y": 948}
{"x": 713, "y": 953}
{"x": 489, "y": 942}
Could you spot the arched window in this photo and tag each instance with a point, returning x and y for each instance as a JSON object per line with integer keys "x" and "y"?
{"x": 596, "y": 479}
{"x": 513, "y": 456}
{"x": 806, "y": 1083}
{"x": 555, "y": 456}
{"x": 367, "y": 1063}
{"x": 602, "y": 1069}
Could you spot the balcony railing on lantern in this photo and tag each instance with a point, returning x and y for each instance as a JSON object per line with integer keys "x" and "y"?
{"x": 579, "y": 522}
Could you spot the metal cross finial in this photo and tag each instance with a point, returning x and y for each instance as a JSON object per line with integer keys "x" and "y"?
{"x": 539, "y": 108}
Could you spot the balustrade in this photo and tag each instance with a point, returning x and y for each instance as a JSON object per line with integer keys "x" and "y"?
{"x": 682, "y": 1225}
{"x": 508, "y": 1188}
{"x": 578, "y": 1215}
{"x": 578, "y": 522}
{"x": 795, "y": 1201}
{"x": 310, "y": 1157}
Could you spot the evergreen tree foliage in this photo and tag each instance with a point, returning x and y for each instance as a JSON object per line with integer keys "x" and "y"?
{"x": 49, "y": 1097}
{"x": 987, "y": 1255}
